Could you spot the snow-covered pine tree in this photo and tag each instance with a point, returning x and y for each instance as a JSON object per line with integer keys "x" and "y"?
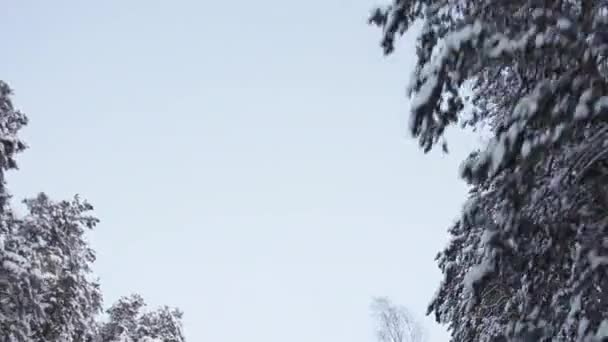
{"x": 21, "y": 284}
{"x": 128, "y": 322}
{"x": 123, "y": 319}
{"x": 55, "y": 231}
{"x": 163, "y": 324}
{"x": 529, "y": 256}
{"x": 20, "y": 275}
{"x": 46, "y": 288}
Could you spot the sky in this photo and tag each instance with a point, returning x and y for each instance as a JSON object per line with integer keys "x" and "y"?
{"x": 249, "y": 160}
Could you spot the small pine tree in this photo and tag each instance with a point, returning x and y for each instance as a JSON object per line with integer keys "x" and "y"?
{"x": 128, "y": 322}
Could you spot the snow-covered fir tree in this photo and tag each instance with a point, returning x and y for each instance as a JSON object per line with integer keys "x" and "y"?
{"x": 128, "y": 322}
{"x": 529, "y": 256}
{"x": 123, "y": 319}
{"x": 56, "y": 234}
{"x": 47, "y": 288}
{"x": 20, "y": 274}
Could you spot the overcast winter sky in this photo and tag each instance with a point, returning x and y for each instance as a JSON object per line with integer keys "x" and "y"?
{"x": 248, "y": 159}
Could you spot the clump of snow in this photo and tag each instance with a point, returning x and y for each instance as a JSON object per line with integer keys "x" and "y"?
{"x": 581, "y": 111}
{"x": 12, "y": 267}
{"x": 498, "y": 154}
{"x": 425, "y": 91}
{"x": 487, "y": 236}
{"x": 582, "y": 108}
{"x": 558, "y": 132}
{"x": 526, "y": 148}
{"x": 596, "y": 260}
{"x": 430, "y": 72}
{"x": 535, "y": 312}
{"x": 457, "y": 38}
{"x": 507, "y": 45}
{"x": 564, "y": 24}
{"x": 555, "y": 182}
{"x": 476, "y": 273}
{"x": 469, "y": 205}
{"x": 602, "y": 330}
{"x": 583, "y": 324}
{"x": 16, "y": 257}
{"x": 538, "y": 12}
{"x": 539, "y": 40}
{"x": 601, "y": 104}
{"x": 575, "y": 307}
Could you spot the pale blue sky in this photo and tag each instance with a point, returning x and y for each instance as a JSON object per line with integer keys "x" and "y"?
{"x": 247, "y": 159}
